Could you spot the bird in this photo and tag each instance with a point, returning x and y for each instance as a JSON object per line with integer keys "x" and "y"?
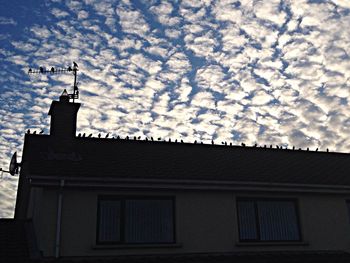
{"x": 30, "y": 71}
{"x": 270, "y": 146}
{"x": 243, "y": 144}
{"x": 195, "y": 142}
{"x": 41, "y": 69}
{"x": 159, "y": 139}
{"x": 79, "y": 135}
{"x": 307, "y": 148}
{"x": 52, "y": 70}
{"x": 90, "y": 135}
{"x": 28, "y": 131}
{"x": 212, "y": 141}
{"x": 327, "y": 150}
{"x": 107, "y": 135}
{"x": 75, "y": 64}
{"x": 118, "y": 137}
{"x": 41, "y": 132}
{"x": 151, "y": 138}
{"x": 264, "y": 145}
{"x": 34, "y": 132}
{"x": 135, "y": 138}
{"x": 182, "y": 141}
{"x": 83, "y": 134}
{"x": 99, "y": 135}
{"x": 316, "y": 150}
{"x": 169, "y": 140}
{"x": 222, "y": 143}
{"x": 175, "y": 140}
{"x": 69, "y": 68}
{"x": 127, "y": 138}
{"x": 230, "y": 143}
{"x": 146, "y": 139}
{"x": 293, "y": 147}
{"x": 139, "y": 137}
{"x": 255, "y": 145}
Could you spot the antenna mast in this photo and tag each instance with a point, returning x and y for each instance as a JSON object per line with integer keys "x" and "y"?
{"x": 74, "y": 70}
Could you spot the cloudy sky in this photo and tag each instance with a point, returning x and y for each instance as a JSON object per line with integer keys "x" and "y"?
{"x": 253, "y": 71}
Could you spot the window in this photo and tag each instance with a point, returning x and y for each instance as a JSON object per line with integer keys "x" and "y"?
{"x": 135, "y": 220}
{"x": 267, "y": 220}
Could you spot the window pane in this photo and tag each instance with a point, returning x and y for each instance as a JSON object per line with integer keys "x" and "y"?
{"x": 109, "y": 224}
{"x": 149, "y": 221}
{"x": 247, "y": 220}
{"x": 277, "y": 220}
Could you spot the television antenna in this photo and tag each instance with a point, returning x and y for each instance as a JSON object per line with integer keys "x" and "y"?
{"x": 14, "y": 166}
{"x": 74, "y": 70}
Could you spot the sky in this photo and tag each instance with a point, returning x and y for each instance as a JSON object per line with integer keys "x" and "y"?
{"x": 254, "y": 71}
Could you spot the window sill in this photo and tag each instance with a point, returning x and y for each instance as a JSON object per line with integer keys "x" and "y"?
{"x": 277, "y": 243}
{"x": 117, "y": 246}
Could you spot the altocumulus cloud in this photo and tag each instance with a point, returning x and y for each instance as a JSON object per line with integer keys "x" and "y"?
{"x": 265, "y": 72}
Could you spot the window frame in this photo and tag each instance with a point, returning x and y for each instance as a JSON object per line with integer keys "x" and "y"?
{"x": 122, "y": 199}
{"x": 258, "y": 239}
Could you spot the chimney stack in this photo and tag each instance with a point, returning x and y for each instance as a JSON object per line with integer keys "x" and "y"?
{"x": 63, "y": 117}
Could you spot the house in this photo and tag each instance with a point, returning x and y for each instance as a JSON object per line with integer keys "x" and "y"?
{"x": 88, "y": 199}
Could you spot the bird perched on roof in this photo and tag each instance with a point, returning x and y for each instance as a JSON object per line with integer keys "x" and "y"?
{"x": 243, "y": 144}
{"x": 52, "y": 70}
{"x": 182, "y": 141}
{"x": 79, "y": 135}
{"x": 83, "y": 134}
{"x": 139, "y": 137}
{"x": 28, "y": 131}
{"x": 212, "y": 141}
{"x": 34, "y": 132}
{"x": 41, "y": 132}
{"x": 90, "y": 135}
{"x": 75, "y": 64}
{"x": 99, "y": 135}
{"x": 316, "y": 150}
{"x": 159, "y": 139}
{"x": 107, "y": 135}
{"x": 151, "y": 138}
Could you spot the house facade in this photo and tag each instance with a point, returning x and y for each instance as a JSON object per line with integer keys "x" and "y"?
{"x": 111, "y": 198}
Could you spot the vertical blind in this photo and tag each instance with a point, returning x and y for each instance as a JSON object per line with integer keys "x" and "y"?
{"x": 149, "y": 221}
{"x": 136, "y": 221}
{"x": 109, "y": 221}
{"x": 268, "y": 220}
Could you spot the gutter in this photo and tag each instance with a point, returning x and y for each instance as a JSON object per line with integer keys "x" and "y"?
{"x": 175, "y": 184}
{"x": 58, "y": 220}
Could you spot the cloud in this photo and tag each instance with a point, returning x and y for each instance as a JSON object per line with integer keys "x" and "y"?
{"x": 7, "y": 21}
{"x": 266, "y": 72}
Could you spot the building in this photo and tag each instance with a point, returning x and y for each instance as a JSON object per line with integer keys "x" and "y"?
{"x": 82, "y": 198}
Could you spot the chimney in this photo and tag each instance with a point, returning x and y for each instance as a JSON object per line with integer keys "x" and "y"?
{"x": 63, "y": 117}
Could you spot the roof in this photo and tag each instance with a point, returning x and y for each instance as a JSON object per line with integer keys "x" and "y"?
{"x": 15, "y": 243}
{"x": 111, "y": 158}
